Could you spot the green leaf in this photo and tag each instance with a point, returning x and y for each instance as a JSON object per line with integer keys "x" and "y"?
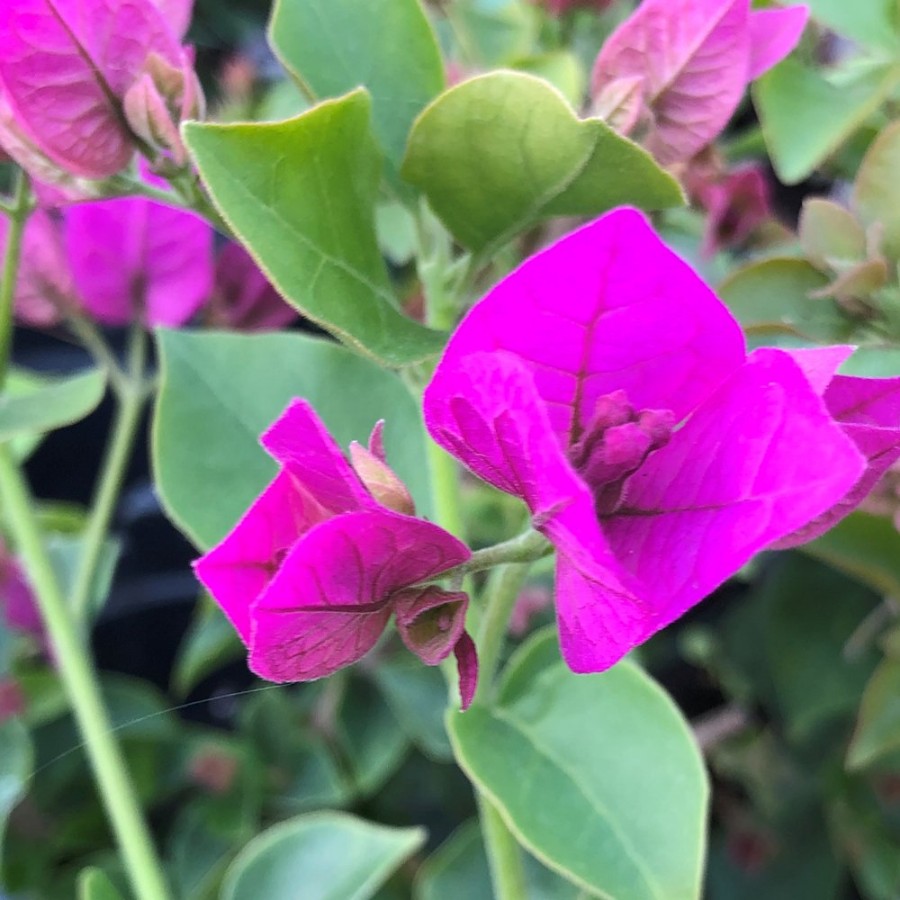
{"x": 65, "y": 554}
{"x": 327, "y": 856}
{"x": 872, "y": 23}
{"x": 562, "y": 69}
{"x": 301, "y": 195}
{"x": 16, "y": 761}
{"x": 597, "y": 775}
{"x": 805, "y": 118}
{"x": 505, "y": 124}
{"x": 876, "y": 194}
{"x": 51, "y": 405}
{"x": 220, "y": 391}
{"x": 373, "y": 743}
{"x": 459, "y": 868}
{"x": 864, "y": 546}
{"x": 94, "y": 884}
{"x": 811, "y": 614}
{"x": 334, "y": 46}
{"x": 878, "y": 727}
{"x": 417, "y": 695}
{"x": 773, "y": 297}
{"x": 494, "y": 33}
{"x": 209, "y": 643}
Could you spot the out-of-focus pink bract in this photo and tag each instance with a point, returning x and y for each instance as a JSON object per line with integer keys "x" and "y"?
{"x": 676, "y": 70}
{"x": 604, "y": 384}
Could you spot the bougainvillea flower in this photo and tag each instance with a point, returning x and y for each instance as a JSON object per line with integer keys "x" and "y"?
{"x": 65, "y": 68}
{"x": 243, "y": 298}
{"x": 136, "y": 258}
{"x": 736, "y": 202}
{"x": 314, "y": 570}
{"x": 44, "y": 286}
{"x": 675, "y": 70}
{"x": 17, "y": 601}
{"x": 604, "y": 384}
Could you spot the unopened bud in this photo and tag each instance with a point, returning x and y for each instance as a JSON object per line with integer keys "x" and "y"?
{"x": 380, "y": 479}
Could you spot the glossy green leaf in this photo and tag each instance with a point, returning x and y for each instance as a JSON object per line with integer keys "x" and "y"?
{"x": 334, "y": 46}
{"x": 94, "y": 884}
{"x": 322, "y": 856}
{"x": 15, "y": 767}
{"x": 864, "y": 546}
{"x": 504, "y": 124}
{"x": 51, "y": 405}
{"x": 873, "y": 23}
{"x": 597, "y": 775}
{"x": 774, "y": 297}
{"x": 459, "y": 868}
{"x": 811, "y": 615}
{"x": 300, "y": 195}
{"x": 209, "y": 643}
{"x": 220, "y": 391}
{"x": 805, "y": 118}
{"x": 878, "y": 727}
{"x": 417, "y": 695}
{"x": 876, "y": 193}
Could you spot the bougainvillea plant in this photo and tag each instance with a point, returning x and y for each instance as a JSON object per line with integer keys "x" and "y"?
{"x": 501, "y": 410}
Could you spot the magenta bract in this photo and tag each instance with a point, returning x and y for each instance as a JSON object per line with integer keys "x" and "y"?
{"x": 676, "y": 69}
{"x": 604, "y": 384}
{"x": 65, "y": 67}
{"x": 136, "y": 258}
{"x": 243, "y": 298}
{"x": 312, "y": 573}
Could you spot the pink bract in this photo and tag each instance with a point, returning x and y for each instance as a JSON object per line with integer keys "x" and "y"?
{"x": 44, "y": 286}
{"x": 677, "y": 69}
{"x": 136, "y": 258}
{"x": 243, "y": 297}
{"x": 608, "y": 387}
{"x": 65, "y": 67}
{"x": 314, "y": 570}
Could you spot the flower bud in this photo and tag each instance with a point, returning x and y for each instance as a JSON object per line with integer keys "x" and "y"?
{"x": 378, "y": 477}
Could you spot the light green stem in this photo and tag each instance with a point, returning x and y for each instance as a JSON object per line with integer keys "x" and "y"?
{"x": 18, "y": 217}
{"x": 503, "y": 853}
{"x": 82, "y": 688}
{"x": 503, "y": 589}
{"x": 130, "y": 397}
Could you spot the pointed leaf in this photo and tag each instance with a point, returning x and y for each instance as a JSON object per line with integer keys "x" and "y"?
{"x": 52, "y": 405}
{"x": 806, "y": 118}
{"x": 205, "y": 396}
{"x": 506, "y": 123}
{"x": 328, "y": 856}
{"x": 334, "y": 46}
{"x": 300, "y": 195}
{"x": 615, "y": 793}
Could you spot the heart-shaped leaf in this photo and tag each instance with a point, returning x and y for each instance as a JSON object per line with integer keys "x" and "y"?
{"x": 497, "y": 153}
{"x": 301, "y": 195}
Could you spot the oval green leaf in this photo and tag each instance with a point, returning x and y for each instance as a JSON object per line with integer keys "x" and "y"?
{"x": 300, "y": 195}
{"x": 876, "y": 193}
{"x": 878, "y": 727}
{"x": 51, "y": 404}
{"x": 773, "y": 297}
{"x": 597, "y": 775}
{"x": 470, "y": 150}
{"x": 323, "y": 856}
{"x": 334, "y": 46}
{"x": 220, "y": 391}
